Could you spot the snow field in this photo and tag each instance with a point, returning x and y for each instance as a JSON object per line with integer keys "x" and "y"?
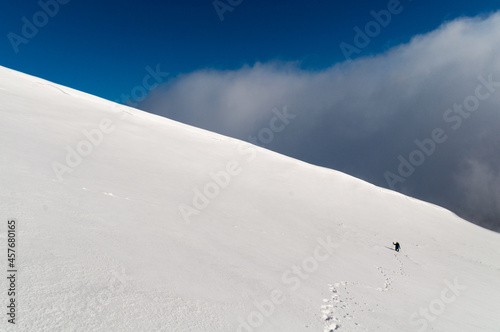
{"x": 279, "y": 245}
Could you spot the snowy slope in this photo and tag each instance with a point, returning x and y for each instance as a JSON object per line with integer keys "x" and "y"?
{"x": 115, "y": 232}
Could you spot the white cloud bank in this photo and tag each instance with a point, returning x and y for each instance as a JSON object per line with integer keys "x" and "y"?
{"x": 366, "y": 116}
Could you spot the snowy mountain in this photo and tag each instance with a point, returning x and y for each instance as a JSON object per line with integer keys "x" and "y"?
{"x": 126, "y": 221}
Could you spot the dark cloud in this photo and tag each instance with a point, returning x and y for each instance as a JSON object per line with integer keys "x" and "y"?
{"x": 363, "y": 117}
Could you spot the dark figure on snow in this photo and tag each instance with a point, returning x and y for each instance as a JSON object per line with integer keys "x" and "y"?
{"x": 397, "y": 245}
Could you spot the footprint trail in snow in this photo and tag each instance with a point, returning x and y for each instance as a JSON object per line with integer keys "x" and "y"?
{"x": 347, "y": 300}
{"x": 337, "y": 311}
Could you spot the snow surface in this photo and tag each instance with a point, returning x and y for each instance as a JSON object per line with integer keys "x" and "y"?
{"x": 283, "y": 246}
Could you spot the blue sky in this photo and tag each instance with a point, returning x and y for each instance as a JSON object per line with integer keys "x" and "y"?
{"x": 103, "y": 47}
{"x": 230, "y": 76}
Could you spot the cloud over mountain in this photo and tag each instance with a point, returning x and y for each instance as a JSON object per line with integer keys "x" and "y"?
{"x": 422, "y": 118}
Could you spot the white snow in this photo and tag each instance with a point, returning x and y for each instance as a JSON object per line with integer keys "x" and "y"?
{"x": 281, "y": 245}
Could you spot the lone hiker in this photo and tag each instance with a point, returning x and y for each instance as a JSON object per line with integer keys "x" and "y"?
{"x": 397, "y": 245}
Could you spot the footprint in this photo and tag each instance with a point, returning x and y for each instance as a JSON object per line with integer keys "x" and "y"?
{"x": 387, "y": 281}
{"x": 330, "y": 328}
{"x": 338, "y": 306}
{"x": 401, "y": 266}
